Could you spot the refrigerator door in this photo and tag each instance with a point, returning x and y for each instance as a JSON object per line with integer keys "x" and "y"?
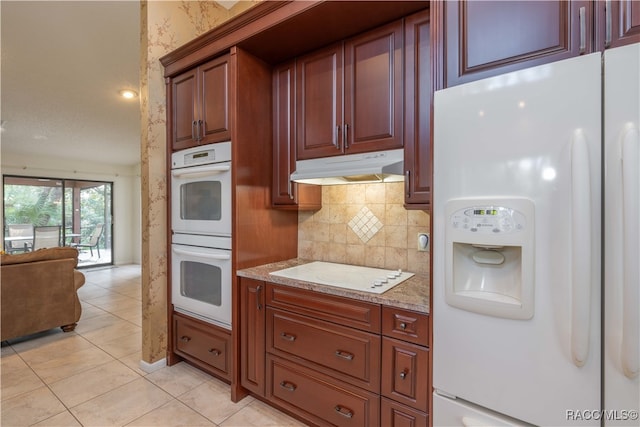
{"x": 452, "y": 412}
{"x": 622, "y": 235}
{"x": 531, "y": 135}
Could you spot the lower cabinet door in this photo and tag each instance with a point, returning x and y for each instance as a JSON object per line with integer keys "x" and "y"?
{"x": 405, "y": 373}
{"x": 319, "y": 398}
{"x": 393, "y": 414}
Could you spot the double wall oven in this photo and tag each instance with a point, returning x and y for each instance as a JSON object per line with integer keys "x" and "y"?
{"x": 201, "y": 232}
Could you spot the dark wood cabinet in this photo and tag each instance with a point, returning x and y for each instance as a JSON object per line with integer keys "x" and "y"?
{"x": 252, "y": 335}
{"x": 285, "y": 193}
{"x": 487, "y": 38}
{"x": 408, "y": 366}
{"x": 418, "y": 99}
{"x": 319, "y": 79}
{"x": 373, "y": 90}
{"x": 405, "y": 367}
{"x": 333, "y": 360}
{"x": 321, "y": 399}
{"x": 202, "y": 344}
{"x": 393, "y": 414}
{"x": 349, "y": 354}
{"x": 617, "y": 23}
{"x": 349, "y": 96}
{"x": 200, "y": 105}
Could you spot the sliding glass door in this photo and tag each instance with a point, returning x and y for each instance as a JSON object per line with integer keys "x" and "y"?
{"x": 82, "y": 210}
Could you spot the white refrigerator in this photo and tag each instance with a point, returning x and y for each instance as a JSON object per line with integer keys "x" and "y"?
{"x": 532, "y": 234}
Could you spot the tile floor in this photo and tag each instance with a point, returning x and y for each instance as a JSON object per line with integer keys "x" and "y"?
{"x": 91, "y": 377}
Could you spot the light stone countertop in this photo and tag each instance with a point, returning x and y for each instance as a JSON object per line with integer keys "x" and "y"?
{"x": 412, "y": 294}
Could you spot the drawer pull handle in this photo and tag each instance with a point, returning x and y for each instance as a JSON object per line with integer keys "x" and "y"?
{"x": 288, "y": 386}
{"x": 288, "y": 337}
{"x": 215, "y": 352}
{"x": 344, "y": 411}
{"x": 403, "y": 326}
{"x": 344, "y": 355}
{"x": 403, "y": 374}
{"x": 185, "y": 338}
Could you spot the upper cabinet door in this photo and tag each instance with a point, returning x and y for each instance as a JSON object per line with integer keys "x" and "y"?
{"x": 487, "y": 38}
{"x": 418, "y": 98}
{"x": 200, "y": 105}
{"x": 184, "y": 95}
{"x": 319, "y": 103}
{"x": 214, "y": 93}
{"x": 373, "y": 91}
{"x": 618, "y": 23}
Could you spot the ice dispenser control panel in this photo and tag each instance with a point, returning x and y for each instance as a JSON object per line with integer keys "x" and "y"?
{"x": 488, "y": 219}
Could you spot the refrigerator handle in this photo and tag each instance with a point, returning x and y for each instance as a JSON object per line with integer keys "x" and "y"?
{"x": 470, "y": 422}
{"x": 581, "y": 248}
{"x": 583, "y": 29}
{"x": 631, "y": 248}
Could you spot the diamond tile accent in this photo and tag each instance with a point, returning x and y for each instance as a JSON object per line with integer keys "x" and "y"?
{"x": 365, "y": 224}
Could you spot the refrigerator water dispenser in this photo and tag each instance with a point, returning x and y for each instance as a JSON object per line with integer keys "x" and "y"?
{"x": 489, "y": 261}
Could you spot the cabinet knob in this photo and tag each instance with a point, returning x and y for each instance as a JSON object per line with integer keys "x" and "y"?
{"x": 344, "y": 411}
{"x": 403, "y": 326}
{"x": 185, "y": 338}
{"x": 215, "y": 352}
{"x": 404, "y": 374}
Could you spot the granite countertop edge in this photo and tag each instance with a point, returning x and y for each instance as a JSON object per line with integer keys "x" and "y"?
{"x": 413, "y": 294}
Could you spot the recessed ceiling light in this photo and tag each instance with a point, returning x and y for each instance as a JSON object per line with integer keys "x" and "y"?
{"x": 128, "y": 94}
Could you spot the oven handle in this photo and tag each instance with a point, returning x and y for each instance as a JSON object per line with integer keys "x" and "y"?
{"x": 201, "y": 255}
{"x": 200, "y": 171}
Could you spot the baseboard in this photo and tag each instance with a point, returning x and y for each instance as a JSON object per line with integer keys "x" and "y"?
{"x": 151, "y": 367}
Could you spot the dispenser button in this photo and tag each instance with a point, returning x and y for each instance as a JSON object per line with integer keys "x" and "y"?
{"x": 496, "y": 230}
{"x": 474, "y": 229}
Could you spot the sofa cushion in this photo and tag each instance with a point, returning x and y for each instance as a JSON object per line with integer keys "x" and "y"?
{"x": 41, "y": 255}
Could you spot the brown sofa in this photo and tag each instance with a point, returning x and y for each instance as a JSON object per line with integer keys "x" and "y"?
{"x": 39, "y": 291}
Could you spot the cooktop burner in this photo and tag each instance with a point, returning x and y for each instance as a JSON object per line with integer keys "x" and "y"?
{"x": 366, "y": 279}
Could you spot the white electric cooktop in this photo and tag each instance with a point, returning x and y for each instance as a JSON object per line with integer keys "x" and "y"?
{"x": 366, "y": 279}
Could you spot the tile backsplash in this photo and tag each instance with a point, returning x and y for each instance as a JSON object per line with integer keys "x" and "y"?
{"x": 364, "y": 224}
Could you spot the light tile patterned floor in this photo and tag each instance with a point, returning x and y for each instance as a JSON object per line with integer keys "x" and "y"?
{"x": 91, "y": 377}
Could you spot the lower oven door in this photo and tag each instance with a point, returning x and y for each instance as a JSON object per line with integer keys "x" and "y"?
{"x": 201, "y": 283}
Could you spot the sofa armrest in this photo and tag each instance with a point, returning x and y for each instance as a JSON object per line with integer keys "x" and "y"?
{"x": 78, "y": 279}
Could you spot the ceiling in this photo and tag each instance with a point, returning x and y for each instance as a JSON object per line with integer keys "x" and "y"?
{"x": 63, "y": 64}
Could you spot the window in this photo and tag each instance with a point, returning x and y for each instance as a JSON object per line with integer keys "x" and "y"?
{"x": 78, "y": 207}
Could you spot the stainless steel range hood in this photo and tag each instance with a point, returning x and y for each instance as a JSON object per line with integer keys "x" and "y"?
{"x": 380, "y": 166}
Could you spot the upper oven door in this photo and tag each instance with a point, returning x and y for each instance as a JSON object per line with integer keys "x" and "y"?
{"x": 201, "y": 199}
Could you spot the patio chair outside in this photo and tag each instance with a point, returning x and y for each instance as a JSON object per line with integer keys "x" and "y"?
{"x": 46, "y": 237}
{"x": 19, "y": 230}
{"x": 94, "y": 239}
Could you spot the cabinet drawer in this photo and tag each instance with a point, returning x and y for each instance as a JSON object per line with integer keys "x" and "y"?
{"x": 202, "y": 341}
{"x": 344, "y": 311}
{"x": 321, "y": 399}
{"x": 393, "y": 414}
{"x": 352, "y": 355}
{"x": 405, "y": 325}
{"x": 405, "y": 373}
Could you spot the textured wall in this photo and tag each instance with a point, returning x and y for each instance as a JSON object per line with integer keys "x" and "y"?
{"x": 364, "y": 224}
{"x": 165, "y": 26}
